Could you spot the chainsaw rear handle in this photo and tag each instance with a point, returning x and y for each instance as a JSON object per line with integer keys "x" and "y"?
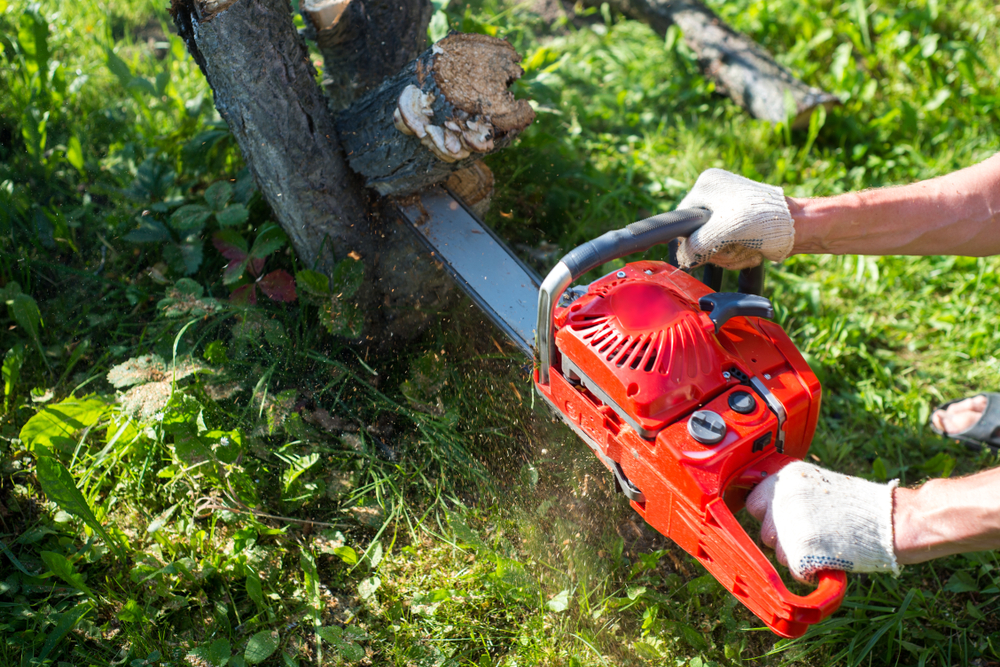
{"x": 726, "y": 542}
{"x": 617, "y": 243}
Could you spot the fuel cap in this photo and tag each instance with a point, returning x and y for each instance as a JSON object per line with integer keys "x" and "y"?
{"x": 742, "y": 402}
{"x": 707, "y": 427}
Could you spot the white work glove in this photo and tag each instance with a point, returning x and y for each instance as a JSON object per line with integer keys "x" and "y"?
{"x": 750, "y": 221}
{"x": 816, "y": 519}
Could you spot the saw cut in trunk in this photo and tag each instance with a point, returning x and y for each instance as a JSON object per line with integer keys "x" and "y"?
{"x": 740, "y": 67}
{"x": 443, "y": 111}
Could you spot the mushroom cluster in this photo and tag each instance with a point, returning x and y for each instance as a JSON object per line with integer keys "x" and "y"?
{"x": 455, "y": 140}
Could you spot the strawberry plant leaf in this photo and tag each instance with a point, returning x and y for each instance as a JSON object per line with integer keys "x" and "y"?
{"x": 218, "y": 195}
{"x": 313, "y": 282}
{"x": 256, "y": 266}
{"x": 230, "y": 244}
{"x": 347, "y": 278}
{"x": 279, "y": 285}
{"x": 235, "y": 214}
{"x": 233, "y": 271}
{"x": 149, "y": 231}
{"x": 186, "y": 257}
{"x": 190, "y": 218}
{"x": 268, "y": 240}
{"x": 244, "y": 295}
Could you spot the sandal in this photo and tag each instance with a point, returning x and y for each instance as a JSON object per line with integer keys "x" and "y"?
{"x": 985, "y": 432}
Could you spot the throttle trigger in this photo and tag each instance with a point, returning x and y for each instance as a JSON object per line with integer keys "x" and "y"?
{"x": 721, "y": 306}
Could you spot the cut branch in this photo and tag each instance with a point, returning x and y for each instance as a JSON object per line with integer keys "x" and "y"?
{"x": 363, "y": 43}
{"x": 265, "y": 90}
{"x": 740, "y": 67}
{"x": 443, "y": 111}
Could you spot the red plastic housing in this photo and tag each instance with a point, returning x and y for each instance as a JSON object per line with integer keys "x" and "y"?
{"x": 641, "y": 357}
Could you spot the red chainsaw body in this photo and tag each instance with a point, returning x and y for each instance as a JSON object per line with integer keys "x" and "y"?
{"x": 634, "y": 358}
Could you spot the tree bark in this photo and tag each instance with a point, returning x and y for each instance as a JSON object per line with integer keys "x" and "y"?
{"x": 442, "y": 112}
{"x": 364, "y": 42}
{"x": 740, "y": 67}
{"x": 265, "y": 90}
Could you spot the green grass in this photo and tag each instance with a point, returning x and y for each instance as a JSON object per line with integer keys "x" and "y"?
{"x": 297, "y": 501}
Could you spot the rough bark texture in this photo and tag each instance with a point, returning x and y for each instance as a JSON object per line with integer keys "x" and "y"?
{"x": 364, "y": 42}
{"x": 740, "y": 67}
{"x": 443, "y": 111}
{"x": 265, "y": 90}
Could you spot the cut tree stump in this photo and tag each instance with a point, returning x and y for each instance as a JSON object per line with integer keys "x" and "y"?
{"x": 443, "y": 111}
{"x": 740, "y": 67}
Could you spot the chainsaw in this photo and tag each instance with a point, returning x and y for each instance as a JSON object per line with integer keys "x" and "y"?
{"x": 689, "y": 396}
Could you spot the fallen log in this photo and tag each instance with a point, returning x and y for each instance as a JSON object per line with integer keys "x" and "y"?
{"x": 740, "y": 67}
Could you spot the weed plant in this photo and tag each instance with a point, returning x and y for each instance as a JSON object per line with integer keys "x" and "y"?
{"x": 197, "y": 470}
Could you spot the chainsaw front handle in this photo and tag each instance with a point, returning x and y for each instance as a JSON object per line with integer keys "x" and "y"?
{"x": 636, "y": 237}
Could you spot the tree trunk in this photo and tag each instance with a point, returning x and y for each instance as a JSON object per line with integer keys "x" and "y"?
{"x": 740, "y": 67}
{"x": 362, "y": 43}
{"x": 265, "y": 89}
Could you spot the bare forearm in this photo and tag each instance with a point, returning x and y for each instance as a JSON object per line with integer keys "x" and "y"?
{"x": 947, "y": 516}
{"x": 956, "y": 214}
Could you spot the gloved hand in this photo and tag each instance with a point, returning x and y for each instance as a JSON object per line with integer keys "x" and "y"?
{"x": 816, "y": 519}
{"x": 750, "y": 221}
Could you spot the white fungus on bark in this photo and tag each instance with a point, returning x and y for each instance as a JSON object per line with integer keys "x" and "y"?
{"x": 455, "y": 140}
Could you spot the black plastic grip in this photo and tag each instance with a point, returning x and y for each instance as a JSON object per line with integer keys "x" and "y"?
{"x": 636, "y": 237}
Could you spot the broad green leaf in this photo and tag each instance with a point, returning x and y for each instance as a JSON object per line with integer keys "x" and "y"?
{"x": 261, "y": 646}
{"x": 33, "y": 37}
{"x": 368, "y": 586}
{"x": 53, "y": 426}
{"x": 185, "y": 257}
{"x": 149, "y": 231}
{"x": 255, "y": 590}
{"x": 312, "y": 282}
{"x": 74, "y": 153}
{"x": 25, "y": 312}
{"x": 63, "y": 568}
{"x": 559, "y": 602}
{"x": 63, "y": 626}
{"x": 347, "y": 554}
{"x": 189, "y": 287}
{"x": 12, "y": 362}
{"x": 270, "y": 239}
{"x": 118, "y": 68}
{"x": 142, "y": 84}
{"x": 59, "y": 487}
{"x": 347, "y": 278}
{"x": 235, "y": 214}
{"x": 218, "y": 195}
{"x": 219, "y": 652}
{"x": 131, "y": 612}
{"x": 231, "y": 244}
{"x": 190, "y": 218}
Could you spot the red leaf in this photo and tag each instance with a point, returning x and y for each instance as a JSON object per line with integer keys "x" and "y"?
{"x": 279, "y": 285}
{"x": 233, "y": 271}
{"x": 256, "y": 265}
{"x": 245, "y": 295}
{"x": 232, "y": 246}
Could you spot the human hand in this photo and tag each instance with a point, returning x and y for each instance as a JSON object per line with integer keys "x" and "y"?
{"x": 750, "y": 221}
{"x": 816, "y": 519}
